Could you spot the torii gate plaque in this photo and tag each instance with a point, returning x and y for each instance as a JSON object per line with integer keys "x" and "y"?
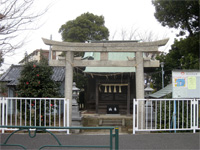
{"x": 139, "y": 62}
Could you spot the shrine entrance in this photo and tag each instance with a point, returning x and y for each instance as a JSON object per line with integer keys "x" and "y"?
{"x": 134, "y": 60}
{"x": 113, "y": 97}
{"x": 111, "y": 94}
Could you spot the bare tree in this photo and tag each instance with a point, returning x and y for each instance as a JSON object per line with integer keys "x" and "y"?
{"x": 114, "y": 34}
{"x": 123, "y": 34}
{"x": 126, "y": 34}
{"x": 136, "y": 33}
{"x": 130, "y": 35}
{"x": 15, "y": 16}
{"x": 143, "y": 36}
{"x": 148, "y": 36}
{"x": 133, "y": 33}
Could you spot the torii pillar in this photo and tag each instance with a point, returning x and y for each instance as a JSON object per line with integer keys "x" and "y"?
{"x": 69, "y": 81}
{"x": 140, "y": 87}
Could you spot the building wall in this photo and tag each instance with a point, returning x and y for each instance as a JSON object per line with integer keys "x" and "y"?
{"x": 37, "y": 55}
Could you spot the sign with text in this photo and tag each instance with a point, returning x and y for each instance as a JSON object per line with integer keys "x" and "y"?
{"x": 112, "y": 109}
{"x": 186, "y": 84}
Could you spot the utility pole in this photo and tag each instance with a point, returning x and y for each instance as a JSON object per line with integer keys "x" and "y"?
{"x": 162, "y": 66}
{"x": 50, "y": 49}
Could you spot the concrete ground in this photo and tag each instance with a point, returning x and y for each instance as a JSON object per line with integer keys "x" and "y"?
{"x": 161, "y": 141}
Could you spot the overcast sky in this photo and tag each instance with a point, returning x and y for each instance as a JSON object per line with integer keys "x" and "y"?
{"x": 119, "y": 15}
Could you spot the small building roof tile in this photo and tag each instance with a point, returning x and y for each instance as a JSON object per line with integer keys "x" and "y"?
{"x": 13, "y": 73}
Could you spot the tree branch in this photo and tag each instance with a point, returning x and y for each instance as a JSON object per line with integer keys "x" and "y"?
{"x": 16, "y": 16}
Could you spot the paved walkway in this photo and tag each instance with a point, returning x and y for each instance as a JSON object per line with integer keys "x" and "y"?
{"x": 161, "y": 141}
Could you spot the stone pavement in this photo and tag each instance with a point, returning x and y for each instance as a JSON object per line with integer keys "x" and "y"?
{"x": 161, "y": 141}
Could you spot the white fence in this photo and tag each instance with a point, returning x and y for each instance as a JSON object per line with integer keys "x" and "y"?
{"x": 34, "y": 112}
{"x": 166, "y": 115}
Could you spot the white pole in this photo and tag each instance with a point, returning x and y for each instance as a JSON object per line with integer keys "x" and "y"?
{"x": 3, "y": 113}
{"x": 162, "y": 65}
{"x": 133, "y": 116}
{"x": 68, "y": 115}
{"x": 50, "y": 49}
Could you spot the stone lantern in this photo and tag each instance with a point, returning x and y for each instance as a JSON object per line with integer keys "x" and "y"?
{"x": 148, "y": 90}
{"x": 75, "y": 94}
{"x": 76, "y": 116}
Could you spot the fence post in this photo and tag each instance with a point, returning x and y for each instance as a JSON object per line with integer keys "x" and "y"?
{"x": 174, "y": 116}
{"x": 133, "y": 116}
{"x": 67, "y": 114}
{"x": 198, "y": 113}
{"x": 68, "y": 117}
{"x": 116, "y": 138}
{"x": 111, "y": 138}
{"x": 194, "y": 118}
{"x": 195, "y": 103}
{"x": 3, "y": 112}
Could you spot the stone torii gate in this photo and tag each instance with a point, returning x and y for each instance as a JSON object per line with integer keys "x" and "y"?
{"x": 139, "y": 62}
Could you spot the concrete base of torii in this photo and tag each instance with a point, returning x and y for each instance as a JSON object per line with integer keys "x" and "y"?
{"x": 76, "y": 116}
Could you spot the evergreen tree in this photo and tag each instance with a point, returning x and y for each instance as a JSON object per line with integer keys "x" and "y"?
{"x": 184, "y": 53}
{"x": 181, "y": 14}
{"x": 85, "y": 27}
{"x": 36, "y": 81}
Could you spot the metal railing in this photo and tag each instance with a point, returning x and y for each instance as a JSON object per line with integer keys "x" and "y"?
{"x": 166, "y": 115}
{"x": 59, "y": 144}
{"x": 15, "y": 111}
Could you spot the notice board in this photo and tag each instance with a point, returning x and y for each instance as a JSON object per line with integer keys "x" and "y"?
{"x": 186, "y": 84}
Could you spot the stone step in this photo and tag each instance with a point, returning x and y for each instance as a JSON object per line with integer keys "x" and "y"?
{"x": 104, "y": 111}
{"x": 111, "y": 122}
{"x": 105, "y": 106}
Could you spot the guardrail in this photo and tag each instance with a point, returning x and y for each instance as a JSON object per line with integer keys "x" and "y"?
{"x": 166, "y": 115}
{"x": 37, "y": 128}
{"x": 16, "y": 111}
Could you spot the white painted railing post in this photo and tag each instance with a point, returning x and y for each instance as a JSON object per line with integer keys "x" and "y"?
{"x": 192, "y": 115}
{"x": 6, "y": 111}
{"x": 174, "y": 116}
{"x": 68, "y": 111}
{"x": 1, "y": 99}
{"x": 198, "y": 113}
{"x": 3, "y": 112}
{"x": 195, "y": 115}
{"x": 64, "y": 113}
{"x": 133, "y": 116}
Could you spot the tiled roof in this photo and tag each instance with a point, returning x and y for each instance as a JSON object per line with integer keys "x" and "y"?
{"x": 13, "y": 73}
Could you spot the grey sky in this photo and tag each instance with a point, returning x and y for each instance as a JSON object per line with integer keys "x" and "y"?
{"x": 119, "y": 15}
